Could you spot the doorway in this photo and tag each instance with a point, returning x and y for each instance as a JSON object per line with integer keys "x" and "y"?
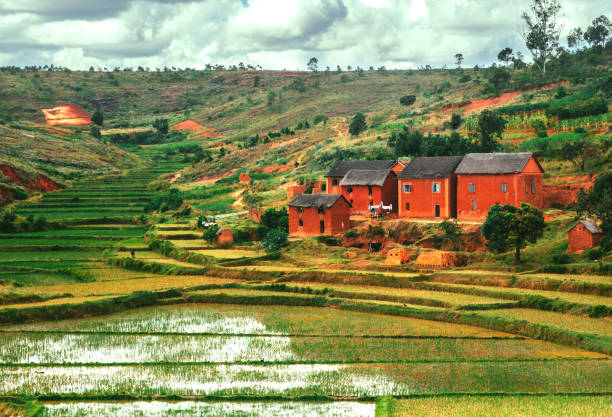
{"x": 437, "y": 210}
{"x": 322, "y": 226}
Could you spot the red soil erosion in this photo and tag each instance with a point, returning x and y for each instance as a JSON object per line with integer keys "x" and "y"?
{"x": 275, "y": 169}
{"x": 437, "y": 259}
{"x": 69, "y": 115}
{"x": 191, "y": 126}
{"x": 215, "y": 177}
{"x": 485, "y": 103}
{"x": 37, "y": 182}
{"x": 565, "y": 195}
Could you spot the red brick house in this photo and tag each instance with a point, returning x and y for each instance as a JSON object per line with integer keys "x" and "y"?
{"x": 485, "y": 179}
{"x": 364, "y": 188}
{"x": 427, "y": 187}
{"x": 584, "y": 235}
{"x": 335, "y": 175}
{"x": 319, "y": 214}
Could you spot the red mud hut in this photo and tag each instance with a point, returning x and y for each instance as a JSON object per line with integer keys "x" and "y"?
{"x": 485, "y": 179}
{"x": 584, "y": 235}
{"x": 319, "y": 214}
{"x": 335, "y": 175}
{"x": 427, "y": 188}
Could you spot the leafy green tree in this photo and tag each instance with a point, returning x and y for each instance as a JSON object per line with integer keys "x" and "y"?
{"x": 98, "y": 118}
{"x": 459, "y": 60}
{"x": 580, "y": 152}
{"x": 358, "y": 124}
{"x": 210, "y": 234}
{"x": 598, "y": 203}
{"x": 405, "y": 142}
{"x": 275, "y": 240}
{"x": 252, "y": 201}
{"x": 320, "y": 118}
{"x": 490, "y": 126}
{"x": 598, "y": 33}
{"x": 95, "y": 132}
{"x": 161, "y": 125}
{"x": 455, "y": 121}
{"x": 275, "y": 219}
{"x": 407, "y": 100}
{"x": 505, "y": 56}
{"x": 312, "y": 64}
{"x": 513, "y": 227}
{"x": 499, "y": 79}
{"x": 543, "y": 29}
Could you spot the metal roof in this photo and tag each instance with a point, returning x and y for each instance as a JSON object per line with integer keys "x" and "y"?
{"x": 590, "y": 226}
{"x": 316, "y": 200}
{"x": 494, "y": 163}
{"x": 342, "y": 167}
{"x": 431, "y": 167}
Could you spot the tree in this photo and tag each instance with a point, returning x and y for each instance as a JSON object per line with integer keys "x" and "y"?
{"x": 505, "y": 56}
{"x": 275, "y": 240}
{"x": 210, "y": 234}
{"x": 98, "y": 118}
{"x": 455, "y": 121}
{"x": 499, "y": 79}
{"x": 580, "y": 152}
{"x": 490, "y": 126}
{"x": 161, "y": 125}
{"x": 358, "y": 124}
{"x": 405, "y": 142}
{"x": 459, "y": 59}
{"x": 598, "y": 203}
{"x": 253, "y": 202}
{"x": 575, "y": 39}
{"x": 95, "y": 132}
{"x": 275, "y": 219}
{"x": 597, "y": 34}
{"x": 312, "y": 64}
{"x": 407, "y": 100}
{"x": 513, "y": 227}
{"x": 543, "y": 30}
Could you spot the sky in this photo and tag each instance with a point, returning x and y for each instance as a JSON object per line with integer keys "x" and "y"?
{"x": 275, "y": 34}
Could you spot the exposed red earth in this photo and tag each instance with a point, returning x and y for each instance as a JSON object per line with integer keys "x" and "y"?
{"x": 68, "y": 115}
{"x": 564, "y": 195}
{"x": 194, "y": 127}
{"x": 37, "y": 182}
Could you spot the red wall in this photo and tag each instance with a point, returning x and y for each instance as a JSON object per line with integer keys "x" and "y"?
{"x": 423, "y": 201}
{"x": 337, "y": 220}
{"x": 331, "y": 189}
{"x": 360, "y": 197}
{"x": 580, "y": 239}
{"x": 488, "y": 191}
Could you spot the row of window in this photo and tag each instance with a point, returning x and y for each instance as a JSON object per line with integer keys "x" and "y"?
{"x": 437, "y": 207}
{"x": 435, "y": 188}
{"x": 407, "y": 188}
{"x": 320, "y": 210}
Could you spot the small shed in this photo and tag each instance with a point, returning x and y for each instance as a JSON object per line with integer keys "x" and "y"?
{"x": 584, "y": 235}
{"x": 319, "y": 214}
{"x": 244, "y": 178}
{"x": 225, "y": 236}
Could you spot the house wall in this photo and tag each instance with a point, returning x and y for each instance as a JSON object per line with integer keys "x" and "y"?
{"x": 580, "y": 239}
{"x": 360, "y": 197}
{"x": 330, "y": 189}
{"x": 423, "y": 201}
{"x": 337, "y": 219}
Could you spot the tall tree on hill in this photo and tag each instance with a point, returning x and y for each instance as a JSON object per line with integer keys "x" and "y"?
{"x": 505, "y": 56}
{"x": 313, "y": 64}
{"x": 98, "y": 118}
{"x": 358, "y": 124}
{"x": 459, "y": 60}
{"x": 543, "y": 29}
{"x": 513, "y": 227}
{"x": 490, "y": 127}
{"x": 598, "y": 33}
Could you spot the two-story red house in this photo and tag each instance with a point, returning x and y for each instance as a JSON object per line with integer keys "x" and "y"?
{"x": 485, "y": 179}
{"x": 427, "y": 187}
{"x": 319, "y": 214}
{"x": 337, "y": 173}
{"x": 364, "y": 188}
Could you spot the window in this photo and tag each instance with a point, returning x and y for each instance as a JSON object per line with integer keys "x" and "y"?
{"x": 349, "y": 190}
{"x": 369, "y": 190}
{"x": 407, "y": 188}
{"x": 335, "y": 182}
{"x": 472, "y": 188}
{"x": 321, "y": 210}
{"x": 435, "y": 188}
{"x": 300, "y": 210}
{"x": 407, "y": 206}
{"x": 532, "y": 186}
{"x": 504, "y": 187}
{"x": 474, "y": 205}
{"x": 301, "y": 222}
{"x": 351, "y": 201}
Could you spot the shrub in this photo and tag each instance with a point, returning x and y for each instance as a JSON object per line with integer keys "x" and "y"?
{"x": 210, "y": 234}
{"x": 580, "y": 131}
{"x": 320, "y": 118}
{"x": 358, "y": 124}
{"x": 590, "y": 107}
{"x": 275, "y": 240}
{"x": 20, "y": 194}
{"x": 407, "y": 100}
{"x": 351, "y": 234}
{"x": 172, "y": 200}
{"x": 562, "y": 259}
{"x": 375, "y": 231}
{"x": 275, "y": 219}
{"x": 328, "y": 240}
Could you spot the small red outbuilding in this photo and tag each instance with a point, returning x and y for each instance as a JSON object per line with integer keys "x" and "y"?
{"x": 319, "y": 214}
{"x": 584, "y": 235}
{"x": 365, "y": 188}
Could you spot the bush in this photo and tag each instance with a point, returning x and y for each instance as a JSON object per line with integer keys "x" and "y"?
{"x": 542, "y": 134}
{"x": 562, "y": 259}
{"x": 275, "y": 219}
{"x": 320, "y": 118}
{"x": 210, "y": 234}
{"x": 580, "y": 131}
{"x": 407, "y": 100}
{"x": 590, "y": 107}
{"x": 328, "y": 240}
{"x": 275, "y": 240}
{"x": 169, "y": 201}
{"x": 20, "y": 194}
{"x": 351, "y": 234}
{"x": 161, "y": 125}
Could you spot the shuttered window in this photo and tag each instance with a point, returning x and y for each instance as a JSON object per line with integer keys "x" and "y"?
{"x": 504, "y": 187}
{"x": 472, "y": 188}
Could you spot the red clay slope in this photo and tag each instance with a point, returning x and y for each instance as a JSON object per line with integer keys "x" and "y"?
{"x": 195, "y": 127}
{"x": 70, "y": 115}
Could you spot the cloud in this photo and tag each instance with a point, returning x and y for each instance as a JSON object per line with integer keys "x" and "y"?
{"x": 272, "y": 33}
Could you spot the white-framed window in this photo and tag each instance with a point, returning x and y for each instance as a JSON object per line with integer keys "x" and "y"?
{"x": 435, "y": 187}
{"x": 472, "y": 188}
{"x": 474, "y": 205}
{"x": 407, "y": 188}
{"x": 504, "y": 187}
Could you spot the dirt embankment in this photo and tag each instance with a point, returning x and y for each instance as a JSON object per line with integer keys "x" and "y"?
{"x": 202, "y": 132}
{"x": 36, "y": 182}
{"x": 68, "y": 115}
{"x": 566, "y": 194}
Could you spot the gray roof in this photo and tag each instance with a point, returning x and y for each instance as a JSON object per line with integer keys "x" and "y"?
{"x": 316, "y": 200}
{"x": 590, "y": 226}
{"x": 342, "y": 167}
{"x": 431, "y": 167}
{"x": 494, "y": 163}
{"x": 365, "y": 177}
